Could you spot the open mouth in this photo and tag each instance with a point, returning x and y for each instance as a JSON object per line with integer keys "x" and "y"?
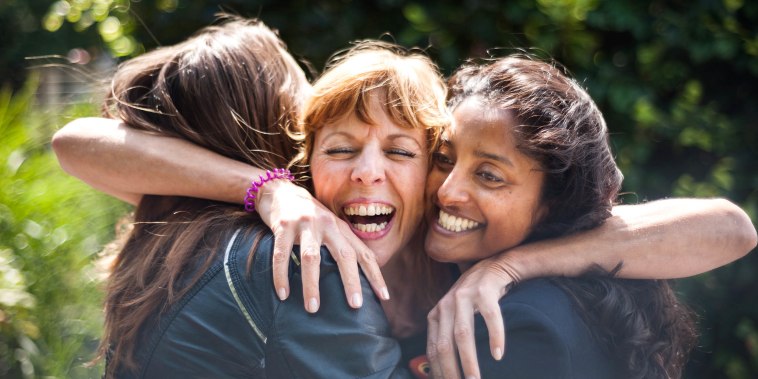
{"x": 454, "y": 223}
{"x": 369, "y": 218}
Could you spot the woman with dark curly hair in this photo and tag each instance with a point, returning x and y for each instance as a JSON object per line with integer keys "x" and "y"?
{"x": 531, "y": 140}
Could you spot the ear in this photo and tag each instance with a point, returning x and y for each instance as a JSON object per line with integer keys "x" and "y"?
{"x": 542, "y": 210}
{"x": 541, "y": 213}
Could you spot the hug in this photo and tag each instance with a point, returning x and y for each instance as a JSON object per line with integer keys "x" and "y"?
{"x": 409, "y": 220}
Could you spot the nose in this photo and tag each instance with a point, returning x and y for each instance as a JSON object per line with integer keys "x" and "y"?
{"x": 369, "y": 167}
{"x": 453, "y": 190}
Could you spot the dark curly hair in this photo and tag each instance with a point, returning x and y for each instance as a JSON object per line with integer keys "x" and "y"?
{"x": 559, "y": 126}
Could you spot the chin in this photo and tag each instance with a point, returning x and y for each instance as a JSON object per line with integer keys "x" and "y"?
{"x": 436, "y": 254}
{"x": 383, "y": 254}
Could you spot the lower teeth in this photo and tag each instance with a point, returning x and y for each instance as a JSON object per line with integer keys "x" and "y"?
{"x": 370, "y": 228}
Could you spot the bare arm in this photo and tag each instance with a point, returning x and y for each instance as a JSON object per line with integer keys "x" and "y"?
{"x": 128, "y": 163}
{"x": 663, "y": 239}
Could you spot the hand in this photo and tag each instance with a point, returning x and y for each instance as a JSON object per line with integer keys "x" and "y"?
{"x": 296, "y": 218}
{"x": 451, "y": 321}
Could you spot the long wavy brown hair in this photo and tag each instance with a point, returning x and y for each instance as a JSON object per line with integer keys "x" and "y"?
{"x": 559, "y": 126}
{"x": 232, "y": 88}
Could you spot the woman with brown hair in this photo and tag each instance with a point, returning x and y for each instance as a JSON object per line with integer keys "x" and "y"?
{"x": 191, "y": 290}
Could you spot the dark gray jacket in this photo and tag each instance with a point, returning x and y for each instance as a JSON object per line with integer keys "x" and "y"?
{"x": 232, "y": 325}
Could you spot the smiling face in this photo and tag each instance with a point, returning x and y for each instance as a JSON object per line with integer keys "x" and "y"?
{"x": 372, "y": 175}
{"x": 483, "y": 194}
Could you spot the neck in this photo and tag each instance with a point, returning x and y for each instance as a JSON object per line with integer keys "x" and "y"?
{"x": 397, "y": 267}
{"x": 402, "y": 308}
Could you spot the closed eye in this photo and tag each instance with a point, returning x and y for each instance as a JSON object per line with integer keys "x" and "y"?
{"x": 340, "y": 151}
{"x": 401, "y": 152}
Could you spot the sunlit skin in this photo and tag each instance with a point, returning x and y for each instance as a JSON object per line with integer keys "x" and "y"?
{"x": 381, "y": 166}
{"x": 483, "y": 193}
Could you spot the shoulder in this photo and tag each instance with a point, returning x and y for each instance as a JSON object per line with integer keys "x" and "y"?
{"x": 542, "y": 297}
{"x": 546, "y": 336}
{"x": 336, "y": 341}
{"x": 193, "y": 337}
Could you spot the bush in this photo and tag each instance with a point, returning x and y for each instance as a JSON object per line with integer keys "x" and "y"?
{"x": 51, "y": 228}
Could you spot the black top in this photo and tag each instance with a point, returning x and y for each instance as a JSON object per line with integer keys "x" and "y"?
{"x": 546, "y": 337}
{"x": 232, "y": 325}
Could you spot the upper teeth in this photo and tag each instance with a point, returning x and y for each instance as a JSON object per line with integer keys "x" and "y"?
{"x": 368, "y": 209}
{"x": 455, "y": 224}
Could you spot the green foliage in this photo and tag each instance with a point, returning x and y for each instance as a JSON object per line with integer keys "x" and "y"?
{"x": 51, "y": 227}
{"x": 114, "y": 23}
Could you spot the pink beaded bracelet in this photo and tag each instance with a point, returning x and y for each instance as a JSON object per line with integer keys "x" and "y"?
{"x": 278, "y": 173}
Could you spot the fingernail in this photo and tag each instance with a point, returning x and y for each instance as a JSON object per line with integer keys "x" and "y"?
{"x": 313, "y": 305}
{"x": 282, "y": 294}
{"x": 471, "y": 377}
{"x": 357, "y": 300}
{"x": 498, "y": 354}
{"x": 385, "y": 294}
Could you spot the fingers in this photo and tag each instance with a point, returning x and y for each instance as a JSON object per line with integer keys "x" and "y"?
{"x": 283, "y": 241}
{"x": 370, "y": 267}
{"x": 431, "y": 343}
{"x": 493, "y": 318}
{"x": 366, "y": 260}
{"x": 310, "y": 266}
{"x": 446, "y": 348}
{"x": 452, "y": 328}
{"x": 463, "y": 331}
{"x": 297, "y": 218}
{"x": 346, "y": 260}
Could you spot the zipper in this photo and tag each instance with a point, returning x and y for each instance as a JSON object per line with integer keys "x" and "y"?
{"x": 230, "y": 282}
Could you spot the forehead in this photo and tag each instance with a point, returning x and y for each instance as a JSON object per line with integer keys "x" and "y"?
{"x": 376, "y": 120}
{"x": 475, "y": 116}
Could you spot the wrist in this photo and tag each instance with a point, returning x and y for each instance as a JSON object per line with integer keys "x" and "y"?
{"x": 265, "y": 184}
{"x": 521, "y": 265}
{"x": 264, "y": 201}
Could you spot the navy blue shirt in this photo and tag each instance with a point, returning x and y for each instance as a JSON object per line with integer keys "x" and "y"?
{"x": 546, "y": 337}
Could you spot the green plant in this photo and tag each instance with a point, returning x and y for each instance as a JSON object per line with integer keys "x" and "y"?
{"x": 51, "y": 228}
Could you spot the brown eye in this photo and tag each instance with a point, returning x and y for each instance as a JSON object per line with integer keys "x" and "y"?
{"x": 489, "y": 177}
{"x": 442, "y": 159}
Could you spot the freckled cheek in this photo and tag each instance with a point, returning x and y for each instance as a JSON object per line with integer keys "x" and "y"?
{"x": 411, "y": 186}
{"x": 327, "y": 180}
{"x": 420, "y": 184}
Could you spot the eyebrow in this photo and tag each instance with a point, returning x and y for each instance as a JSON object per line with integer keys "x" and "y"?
{"x": 494, "y": 157}
{"x": 398, "y": 135}
{"x": 480, "y": 154}
{"x": 390, "y": 137}
{"x": 330, "y": 135}
{"x": 395, "y": 136}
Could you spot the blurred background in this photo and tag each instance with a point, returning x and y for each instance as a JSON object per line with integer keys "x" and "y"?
{"x": 676, "y": 80}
